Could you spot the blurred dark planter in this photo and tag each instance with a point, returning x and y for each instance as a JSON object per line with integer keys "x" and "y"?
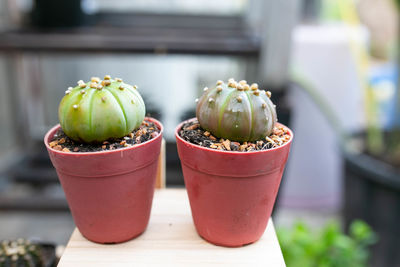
{"x": 372, "y": 193}
{"x": 49, "y": 254}
{"x": 60, "y": 13}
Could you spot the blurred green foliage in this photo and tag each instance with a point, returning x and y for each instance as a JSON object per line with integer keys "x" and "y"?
{"x": 397, "y": 2}
{"x": 329, "y": 247}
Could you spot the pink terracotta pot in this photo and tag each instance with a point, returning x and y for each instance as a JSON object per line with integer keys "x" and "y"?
{"x": 109, "y": 193}
{"x": 231, "y": 194}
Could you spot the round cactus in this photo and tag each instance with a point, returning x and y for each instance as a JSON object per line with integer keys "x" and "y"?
{"x": 100, "y": 110}
{"x": 236, "y": 111}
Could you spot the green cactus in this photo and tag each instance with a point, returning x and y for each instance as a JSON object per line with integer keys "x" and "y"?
{"x": 236, "y": 111}
{"x": 99, "y": 110}
{"x": 20, "y": 253}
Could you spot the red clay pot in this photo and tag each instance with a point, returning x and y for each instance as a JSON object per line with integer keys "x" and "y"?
{"x": 109, "y": 193}
{"x": 231, "y": 194}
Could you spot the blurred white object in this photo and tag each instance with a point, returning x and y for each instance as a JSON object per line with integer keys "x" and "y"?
{"x": 228, "y": 7}
{"x": 323, "y": 55}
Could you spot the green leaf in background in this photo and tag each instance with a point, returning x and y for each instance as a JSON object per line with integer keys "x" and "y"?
{"x": 397, "y": 2}
{"x": 331, "y": 10}
{"x": 329, "y": 247}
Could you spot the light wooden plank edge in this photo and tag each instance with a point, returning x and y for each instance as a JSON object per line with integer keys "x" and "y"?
{"x": 161, "y": 179}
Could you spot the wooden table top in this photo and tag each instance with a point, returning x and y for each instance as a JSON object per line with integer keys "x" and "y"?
{"x": 171, "y": 240}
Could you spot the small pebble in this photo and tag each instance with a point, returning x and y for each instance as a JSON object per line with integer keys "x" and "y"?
{"x": 227, "y": 144}
{"x": 138, "y": 133}
{"x": 235, "y": 145}
{"x": 193, "y": 127}
{"x": 53, "y": 144}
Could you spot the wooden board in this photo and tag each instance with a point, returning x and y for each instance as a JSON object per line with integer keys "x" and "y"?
{"x": 171, "y": 240}
{"x": 161, "y": 172}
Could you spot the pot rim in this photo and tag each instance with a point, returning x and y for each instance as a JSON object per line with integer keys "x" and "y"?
{"x": 57, "y": 126}
{"x": 230, "y": 152}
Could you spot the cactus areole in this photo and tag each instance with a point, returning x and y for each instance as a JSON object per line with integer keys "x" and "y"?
{"x": 100, "y": 109}
{"x": 237, "y": 111}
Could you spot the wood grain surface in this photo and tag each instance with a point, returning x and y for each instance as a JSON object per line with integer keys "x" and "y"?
{"x": 171, "y": 240}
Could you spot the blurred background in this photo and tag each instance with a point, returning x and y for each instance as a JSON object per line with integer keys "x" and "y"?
{"x": 331, "y": 66}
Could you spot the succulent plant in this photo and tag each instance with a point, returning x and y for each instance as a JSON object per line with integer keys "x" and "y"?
{"x": 20, "y": 253}
{"x": 236, "y": 111}
{"x": 100, "y": 109}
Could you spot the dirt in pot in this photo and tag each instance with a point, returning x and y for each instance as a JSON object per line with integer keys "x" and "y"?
{"x": 193, "y": 133}
{"x": 147, "y": 131}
